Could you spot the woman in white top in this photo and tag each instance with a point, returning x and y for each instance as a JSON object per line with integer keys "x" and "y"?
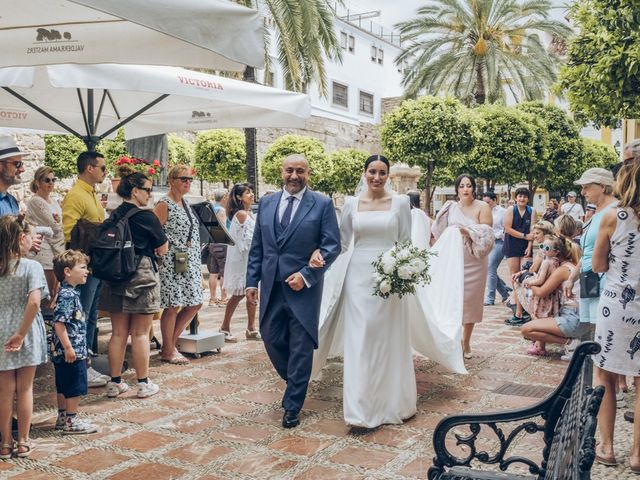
{"x": 617, "y": 255}
{"x": 43, "y": 211}
{"x": 235, "y": 270}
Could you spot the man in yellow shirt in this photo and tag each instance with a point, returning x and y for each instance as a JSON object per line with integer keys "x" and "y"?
{"x": 81, "y": 203}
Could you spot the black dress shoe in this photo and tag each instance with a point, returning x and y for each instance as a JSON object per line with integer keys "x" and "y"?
{"x": 291, "y": 419}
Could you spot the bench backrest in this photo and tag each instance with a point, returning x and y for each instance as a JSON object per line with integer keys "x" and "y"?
{"x": 572, "y": 450}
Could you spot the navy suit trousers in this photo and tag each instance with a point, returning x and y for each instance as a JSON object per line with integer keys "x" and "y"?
{"x": 289, "y": 346}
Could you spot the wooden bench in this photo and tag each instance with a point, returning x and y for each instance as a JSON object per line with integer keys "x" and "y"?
{"x": 567, "y": 419}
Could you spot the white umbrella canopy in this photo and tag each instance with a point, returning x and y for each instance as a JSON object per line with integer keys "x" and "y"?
{"x": 93, "y": 101}
{"x": 214, "y": 34}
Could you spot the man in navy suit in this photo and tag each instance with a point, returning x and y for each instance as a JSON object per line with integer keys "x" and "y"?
{"x": 290, "y": 226}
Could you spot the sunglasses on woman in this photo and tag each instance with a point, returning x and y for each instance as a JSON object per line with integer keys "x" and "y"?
{"x": 50, "y": 180}
{"x": 146, "y": 189}
{"x": 547, "y": 248}
{"x": 185, "y": 179}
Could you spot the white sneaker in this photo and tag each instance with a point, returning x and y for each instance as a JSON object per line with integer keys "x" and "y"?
{"x": 96, "y": 379}
{"x": 77, "y": 426}
{"x": 147, "y": 389}
{"x": 571, "y": 345}
{"x": 114, "y": 389}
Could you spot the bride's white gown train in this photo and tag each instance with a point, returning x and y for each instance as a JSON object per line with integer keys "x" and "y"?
{"x": 375, "y": 336}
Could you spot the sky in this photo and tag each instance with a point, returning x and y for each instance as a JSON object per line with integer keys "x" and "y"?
{"x": 394, "y": 11}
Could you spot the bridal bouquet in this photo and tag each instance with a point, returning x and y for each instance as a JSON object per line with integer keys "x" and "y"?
{"x": 399, "y": 270}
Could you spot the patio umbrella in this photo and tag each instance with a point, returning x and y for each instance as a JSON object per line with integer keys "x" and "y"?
{"x": 146, "y": 100}
{"x": 214, "y": 34}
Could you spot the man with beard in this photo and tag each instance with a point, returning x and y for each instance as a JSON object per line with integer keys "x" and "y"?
{"x": 290, "y": 226}
{"x": 11, "y": 166}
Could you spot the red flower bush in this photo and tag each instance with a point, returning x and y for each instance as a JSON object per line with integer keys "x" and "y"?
{"x": 150, "y": 168}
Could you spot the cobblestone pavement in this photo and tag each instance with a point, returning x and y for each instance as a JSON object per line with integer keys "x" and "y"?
{"x": 219, "y": 418}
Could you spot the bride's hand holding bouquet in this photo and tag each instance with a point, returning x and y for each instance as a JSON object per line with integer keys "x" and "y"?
{"x": 398, "y": 271}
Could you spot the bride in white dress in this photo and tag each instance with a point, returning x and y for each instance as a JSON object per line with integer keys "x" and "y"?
{"x": 375, "y": 335}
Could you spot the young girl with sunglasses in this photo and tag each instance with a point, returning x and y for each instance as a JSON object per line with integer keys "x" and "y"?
{"x": 547, "y": 306}
{"x": 23, "y": 343}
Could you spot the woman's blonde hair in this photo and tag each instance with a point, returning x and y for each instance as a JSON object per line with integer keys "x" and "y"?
{"x": 39, "y": 176}
{"x": 627, "y": 187}
{"x": 174, "y": 172}
{"x": 566, "y": 226}
{"x": 10, "y": 230}
{"x": 545, "y": 227}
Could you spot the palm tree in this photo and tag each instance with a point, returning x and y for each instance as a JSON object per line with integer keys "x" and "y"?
{"x": 473, "y": 48}
{"x": 304, "y": 37}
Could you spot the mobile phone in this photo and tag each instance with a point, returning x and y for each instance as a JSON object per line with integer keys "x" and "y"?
{"x": 104, "y": 197}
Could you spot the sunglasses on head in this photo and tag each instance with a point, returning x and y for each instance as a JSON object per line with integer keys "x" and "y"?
{"x": 50, "y": 180}
{"x": 185, "y": 179}
{"x": 547, "y": 248}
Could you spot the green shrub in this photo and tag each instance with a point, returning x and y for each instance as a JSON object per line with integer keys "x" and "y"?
{"x": 220, "y": 156}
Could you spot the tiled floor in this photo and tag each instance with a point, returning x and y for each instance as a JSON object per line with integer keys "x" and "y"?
{"x": 219, "y": 418}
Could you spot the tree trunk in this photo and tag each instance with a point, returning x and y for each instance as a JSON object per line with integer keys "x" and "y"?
{"x": 480, "y": 94}
{"x": 250, "y": 141}
{"x": 428, "y": 192}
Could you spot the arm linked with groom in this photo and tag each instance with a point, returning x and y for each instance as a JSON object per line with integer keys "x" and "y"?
{"x": 290, "y": 226}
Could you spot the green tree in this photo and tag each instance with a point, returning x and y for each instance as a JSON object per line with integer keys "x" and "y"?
{"x": 601, "y": 74}
{"x": 430, "y": 132}
{"x": 594, "y": 154}
{"x": 563, "y": 143}
{"x": 508, "y": 142}
{"x": 313, "y": 151}
{"x": 220, "y": 155}
{"x": 61, "y": 152}
{"x": 180, "y": 151}
{"x": 472, "y": 49}
{"x": 348, "y": 165}
{"x": 305, "y": 39}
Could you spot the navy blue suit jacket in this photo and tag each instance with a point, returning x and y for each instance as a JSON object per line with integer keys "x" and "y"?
{"x": 313, "y": 226}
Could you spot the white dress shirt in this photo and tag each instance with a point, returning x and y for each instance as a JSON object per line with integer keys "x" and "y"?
{"x": 498, "y": 222}
{"x": 284, "y": 200}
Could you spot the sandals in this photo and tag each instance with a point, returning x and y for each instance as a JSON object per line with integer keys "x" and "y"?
{"x": 6, "y": 446}
{"x": 536, "y": 351}
{"x": 606, "y": 460}
{"x": 26, "y": 445}
{"x": 228, "y": 338}
{"x": 253, "y": 335}
{"x": 176, "y": 360}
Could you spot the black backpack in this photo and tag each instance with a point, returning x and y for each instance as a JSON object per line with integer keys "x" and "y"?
{"x": 113, "y": 256}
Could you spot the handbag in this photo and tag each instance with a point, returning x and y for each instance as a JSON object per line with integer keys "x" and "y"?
{"x": 589, "y": 284}
{"x": 181, "y": 259}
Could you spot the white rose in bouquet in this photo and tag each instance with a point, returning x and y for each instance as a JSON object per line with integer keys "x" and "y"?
{"x": 388, "y": 263}
{"x": 403, "y": 254}
{"x": 405, "y": 272}
{"x": 384, "y": 287}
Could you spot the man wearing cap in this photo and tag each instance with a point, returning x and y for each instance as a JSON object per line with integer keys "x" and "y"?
{"x": 572, "y": 208}
{"x": 11, "y": 166}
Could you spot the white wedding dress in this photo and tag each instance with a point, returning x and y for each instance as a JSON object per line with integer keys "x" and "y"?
{"x": 375, "y": 335}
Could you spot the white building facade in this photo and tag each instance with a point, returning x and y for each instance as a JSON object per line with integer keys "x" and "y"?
{"x": 356, "y": 86}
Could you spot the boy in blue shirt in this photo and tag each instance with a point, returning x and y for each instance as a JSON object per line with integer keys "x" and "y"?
{"x": 68, "y": 342}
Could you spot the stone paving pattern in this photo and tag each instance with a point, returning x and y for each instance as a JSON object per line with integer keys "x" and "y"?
{"x": 219, "y": 418}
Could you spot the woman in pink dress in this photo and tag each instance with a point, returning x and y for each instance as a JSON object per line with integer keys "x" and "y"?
{"x": 471, "y": 216}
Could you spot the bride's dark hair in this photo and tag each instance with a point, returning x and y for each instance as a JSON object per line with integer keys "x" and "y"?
{"x": 376, "y": 158}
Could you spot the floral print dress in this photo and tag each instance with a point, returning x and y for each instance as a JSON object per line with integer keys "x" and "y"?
{"x": 180, "y": 289}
